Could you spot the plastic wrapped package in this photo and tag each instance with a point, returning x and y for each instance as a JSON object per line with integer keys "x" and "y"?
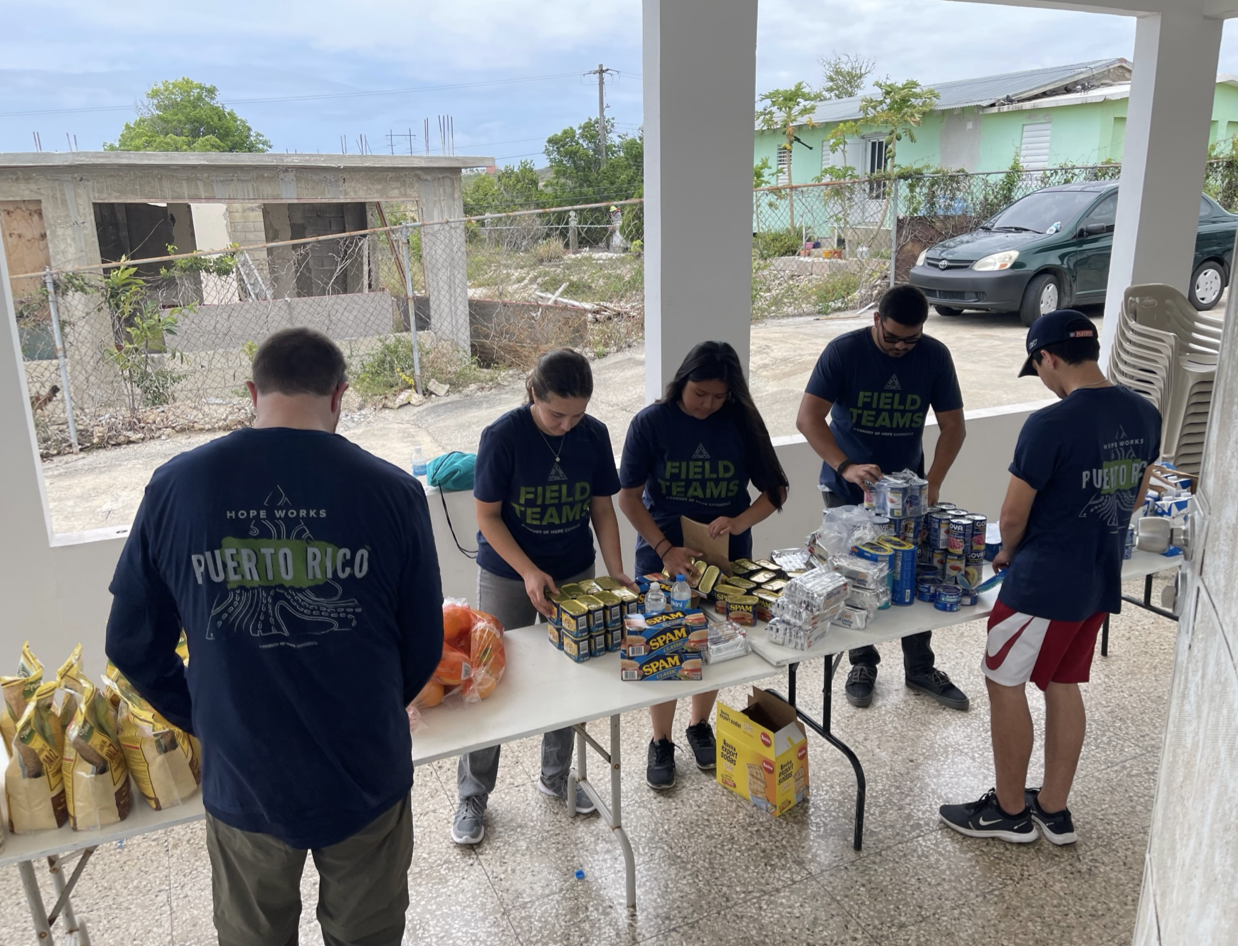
{"x": 818, "y": 590}
{"x": 871, "y": 601}
{"x": 96, "y": 776}
{"x": 18, "y": 691}
{"x": 902, "y": 495}
{"x": 792, "y": 560}
{"x": 727, "y": 640}
{"x": 851, "y": 617}
{"x": 780, "y": 631}
{"x": 861, "y": 572}
{"x": 791, "y": 612}
{"x": 34, "y": 781}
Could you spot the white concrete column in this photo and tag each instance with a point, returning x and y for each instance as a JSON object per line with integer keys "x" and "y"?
{"x": 444, "y": 255}
{"x": 699, "y": 93}
{"x": 1172, "y": 91}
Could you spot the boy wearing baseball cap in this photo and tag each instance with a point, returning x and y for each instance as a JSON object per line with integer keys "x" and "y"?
{"x": 1079, "y": 468}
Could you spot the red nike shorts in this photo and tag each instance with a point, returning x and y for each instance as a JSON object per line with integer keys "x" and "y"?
{"x": 1022, "y": 647}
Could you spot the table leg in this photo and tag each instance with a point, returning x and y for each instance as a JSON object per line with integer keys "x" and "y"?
{"x": 34, "y": 899}
{"x": 823, "y": 730}
{"x": 611, "y": 813}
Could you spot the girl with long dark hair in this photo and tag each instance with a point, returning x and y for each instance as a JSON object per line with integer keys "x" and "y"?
{"x": 545, "y": 472}
{"x": 693, "y": 454}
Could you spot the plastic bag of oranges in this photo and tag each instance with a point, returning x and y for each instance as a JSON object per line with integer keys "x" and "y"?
{"x": 472, "y": 664}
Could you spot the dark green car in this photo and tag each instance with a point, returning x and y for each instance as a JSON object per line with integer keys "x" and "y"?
{"x": 1051, "y": 249}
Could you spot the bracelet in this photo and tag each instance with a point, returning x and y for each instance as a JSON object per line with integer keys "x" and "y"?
{"x": 669, "y": 543}
{"x": 842, "y": 466}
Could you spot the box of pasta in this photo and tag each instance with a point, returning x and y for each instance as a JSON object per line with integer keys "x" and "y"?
{"x": 763, "y": 752}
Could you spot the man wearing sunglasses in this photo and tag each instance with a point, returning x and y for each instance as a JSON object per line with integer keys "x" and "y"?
{"x": 863, "y": 413}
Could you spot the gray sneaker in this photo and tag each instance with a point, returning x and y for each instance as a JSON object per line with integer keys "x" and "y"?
{"x": 584, "y": 804}
{"x": 467, "y": 828}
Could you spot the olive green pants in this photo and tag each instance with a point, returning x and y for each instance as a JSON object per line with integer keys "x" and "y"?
{"x": 363, "y": 884}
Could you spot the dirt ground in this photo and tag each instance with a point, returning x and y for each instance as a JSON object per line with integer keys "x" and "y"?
{"x": 103, "y": 488}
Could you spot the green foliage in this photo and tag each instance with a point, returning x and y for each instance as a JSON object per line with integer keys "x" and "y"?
{"x": 769, "y": 244}
{"x": 1221, "y": 178}
{"x": 787, "y": 109}
{"x": 835, "y": 291}
{"x": 389, "y": 369}
{"x": 222, "y": 265}
{"x": 577, "y": 175}
{"x": 249, "y": 350}
{"x": 183, "y": 115}
{"x": 763, "y": 175}
{"x": 510, "y": 188}
{"x": 899, "y": 108}
{"x": 844, "y": 75}
{"x": 141, "y": 352}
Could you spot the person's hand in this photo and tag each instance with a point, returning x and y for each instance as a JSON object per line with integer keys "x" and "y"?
{"x": 535, "y": 585}
{"x": 863, "y": 475}
{"x": 1002, "y": 561}
{"x": 724, "y": 525}
{"x": 624, "y": 580}
{"x": 934, "y": 493}
{"x": 678, "y": 561}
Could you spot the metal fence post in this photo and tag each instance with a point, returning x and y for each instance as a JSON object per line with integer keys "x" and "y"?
{"x": 573, "y": 240}
{"x": 412, "y": 312}
{"x": 64, "y": 368}
{"x": 894, "y": 233}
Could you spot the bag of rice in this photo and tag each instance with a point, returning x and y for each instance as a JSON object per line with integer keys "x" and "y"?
{"x": 33, "y": 781}
{"x": 164, "y": 760}
{"x": 17, "y": 692}
{"x": 96, "y": 777}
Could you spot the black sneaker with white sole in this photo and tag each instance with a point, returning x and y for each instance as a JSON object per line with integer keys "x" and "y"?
{"x": 1057, "y": 827}
{"x": 660, "y": 772}
{"x": 937, "y": 684}
{"x": 704, "y": 748}
{"x": 985, "y": 819}
{"x": 859, "y": 686}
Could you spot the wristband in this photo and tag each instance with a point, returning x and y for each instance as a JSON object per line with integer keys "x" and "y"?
{"x": 842, "y": 466}
{"x": 670, "y": 545}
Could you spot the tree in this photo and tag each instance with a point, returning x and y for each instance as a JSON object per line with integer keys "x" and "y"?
{"x": 183, "y": 115}
{"x": 845, "y": 74}
{"x": 509, "y": 188}
{"x": 577, "y": 176}
{"x": 784, "y": 112}
{"x": 899, "y": 109}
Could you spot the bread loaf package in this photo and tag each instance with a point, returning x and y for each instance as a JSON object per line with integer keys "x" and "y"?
{"x": 17, "y": 692}
{"x": 33, "y": 781}
{"x": 165, "y": 761}
{"x": 96, "y": 776}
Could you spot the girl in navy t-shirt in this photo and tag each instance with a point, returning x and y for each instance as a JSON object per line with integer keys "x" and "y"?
{"x": 693, "y": 454}
{"x": 544, "y": 473}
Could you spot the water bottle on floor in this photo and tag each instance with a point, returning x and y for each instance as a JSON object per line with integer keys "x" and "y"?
{"x": 419, "y": 464}
{"x": 681, "y": 595}
{"x": 655, "y": 600}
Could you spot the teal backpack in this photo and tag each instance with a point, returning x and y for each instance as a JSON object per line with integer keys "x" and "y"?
{"x": 452, "y": 472}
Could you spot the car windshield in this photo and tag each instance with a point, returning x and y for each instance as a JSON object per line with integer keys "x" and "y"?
{"x": 1038, "y": 212}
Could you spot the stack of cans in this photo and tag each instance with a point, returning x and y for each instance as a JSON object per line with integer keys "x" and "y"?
{"x": 899, "y": 501}
{"x": 952, "y": 546}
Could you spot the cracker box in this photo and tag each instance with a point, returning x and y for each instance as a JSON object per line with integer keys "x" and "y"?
{"x": 763, "y": 752}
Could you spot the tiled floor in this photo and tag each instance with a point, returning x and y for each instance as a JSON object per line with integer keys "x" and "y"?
{"x": 713, "y": 871}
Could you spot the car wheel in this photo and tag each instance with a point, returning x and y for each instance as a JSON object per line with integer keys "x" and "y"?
{"x": 947, "y": 310}
{"x": 1207, "y": 284}
{"x": 1042, "y": 296}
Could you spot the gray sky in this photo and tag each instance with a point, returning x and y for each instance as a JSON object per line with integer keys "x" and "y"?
{"x": 508, "y": 72}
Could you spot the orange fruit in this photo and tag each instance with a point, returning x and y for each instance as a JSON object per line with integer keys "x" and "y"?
{"x": 431, "y": 695}
{"x": 457, "y": 621}
{"x": 454, "y": 668}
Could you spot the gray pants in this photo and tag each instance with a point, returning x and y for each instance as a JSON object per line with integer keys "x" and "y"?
{"x": 478, "y": 771}
{"x": 363, "y": 884}
{"x": 918, "y": 654}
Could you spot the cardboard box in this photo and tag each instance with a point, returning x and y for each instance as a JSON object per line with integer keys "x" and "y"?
{"x": 763, "y": 752}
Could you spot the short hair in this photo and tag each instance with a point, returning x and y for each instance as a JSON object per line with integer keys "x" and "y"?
{"x": 299, "y": 361}
{"x": 905, "y": 305}
{"x": 1073, "y": 351}
{"x": 563, "y": 372}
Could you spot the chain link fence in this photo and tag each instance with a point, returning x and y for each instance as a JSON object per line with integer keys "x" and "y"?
{"x": 127, "y": 351}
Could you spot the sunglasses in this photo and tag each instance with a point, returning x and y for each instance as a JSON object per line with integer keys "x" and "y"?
{"x": 908, "y": 340}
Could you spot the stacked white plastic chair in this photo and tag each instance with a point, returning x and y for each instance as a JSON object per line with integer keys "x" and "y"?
{"x": 1167, "y": 351}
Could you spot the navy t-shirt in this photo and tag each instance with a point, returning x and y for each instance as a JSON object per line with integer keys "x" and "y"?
{"x": 688, "y": 467}
{"x": 304, "y": 572}
{"x": 1085, "y": 456}
{"x": 880, "y": 402}
{"x": 545, "y": 503}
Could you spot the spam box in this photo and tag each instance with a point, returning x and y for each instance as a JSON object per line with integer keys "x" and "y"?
{"x": 763, "y": 752}
{"x": 664, "y": 646}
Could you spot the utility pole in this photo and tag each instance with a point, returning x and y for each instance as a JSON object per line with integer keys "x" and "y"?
{"x": 601, "y": 72}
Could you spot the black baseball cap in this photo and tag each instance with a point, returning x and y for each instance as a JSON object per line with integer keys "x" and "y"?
{"x": 1058, "y": 326}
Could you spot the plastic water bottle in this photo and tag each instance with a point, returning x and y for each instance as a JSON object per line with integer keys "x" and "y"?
{"x": 419, "y": 463}
{"x": 681, "y": 595}
{"x": 655, "y": 600}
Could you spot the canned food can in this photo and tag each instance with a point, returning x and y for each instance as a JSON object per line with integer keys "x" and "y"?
{"x": 614, "y": 638}
{"x": 969, "y": 598}
{"x": 883, "y": 525}
{"x": 975, "y": 558}
{"x": 979, "y": 525}
{"x": 939, "y": 562}
{"x": 926, "y": 589}
{"x": 597, "y": 644}
{"x": 955, "y": 565}
{"x": 959, "y": 538}
{"x": 946, "y": 506}
{"x": 949, "y": 598}
{"x": 902, "y": 571}
{"x": 909, "y": 530}
{"x": 555, "y": 633}
{"x": 922, "y": 525}
{"x": 939, "y": 529}
{"x": 896, "y": 499}
{"x": 870, "y": 498}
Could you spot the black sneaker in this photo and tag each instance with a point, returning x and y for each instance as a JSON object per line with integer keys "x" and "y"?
{"x": 1059, "y": 827}
{"x": 701, "y": 739}
{"x": 860, "y": 685}
{"x": 660, "y": 772}
{"x": 985, "y": 819}
{"x": 937, "y": 685}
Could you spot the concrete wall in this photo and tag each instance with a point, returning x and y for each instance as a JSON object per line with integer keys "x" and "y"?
{"x": 214, "y": 327}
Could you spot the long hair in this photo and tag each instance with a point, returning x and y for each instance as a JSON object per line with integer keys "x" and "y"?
{"x": 717, "y": 361}
{"x": 562, "y": 371}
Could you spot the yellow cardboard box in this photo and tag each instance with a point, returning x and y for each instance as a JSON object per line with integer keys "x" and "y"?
{"x": 763, "y": 752}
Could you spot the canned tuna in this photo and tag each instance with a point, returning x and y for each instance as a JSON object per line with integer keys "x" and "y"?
{"x": 949, "y": 598}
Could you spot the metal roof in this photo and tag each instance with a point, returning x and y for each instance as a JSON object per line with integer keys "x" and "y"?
{"x": 987, "y": 90}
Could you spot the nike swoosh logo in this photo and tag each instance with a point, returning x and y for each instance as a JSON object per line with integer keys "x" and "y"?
{"x": 985, "y": 824}
{"x": 993, "y": 661}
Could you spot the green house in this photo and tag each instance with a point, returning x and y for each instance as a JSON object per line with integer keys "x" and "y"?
{"x": 1063, "y": 115}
